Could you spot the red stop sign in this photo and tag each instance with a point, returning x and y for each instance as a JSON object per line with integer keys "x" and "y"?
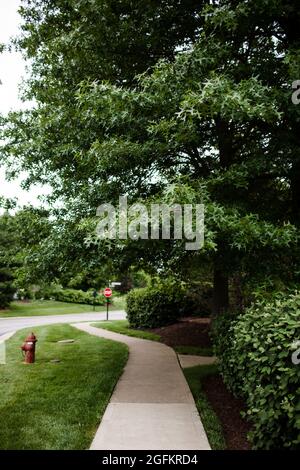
{"x": 107, "y": 292}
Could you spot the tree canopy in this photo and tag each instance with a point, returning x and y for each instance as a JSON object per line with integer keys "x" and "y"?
{"x": 178, "y": 101}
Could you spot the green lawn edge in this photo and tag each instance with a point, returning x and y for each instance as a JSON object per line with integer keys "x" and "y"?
{"x": 210, "y": 420}
{"x": 52, "y": 307}
{"x": 122, "y": 327}
{"x": 57, "y": 405}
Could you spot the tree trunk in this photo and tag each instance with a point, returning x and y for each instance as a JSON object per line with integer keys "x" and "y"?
{"x": 290, "y": 23}
{"x": 220, "y": 292}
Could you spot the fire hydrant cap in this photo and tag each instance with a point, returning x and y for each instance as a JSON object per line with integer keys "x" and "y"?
{"x": 31, "y": 338}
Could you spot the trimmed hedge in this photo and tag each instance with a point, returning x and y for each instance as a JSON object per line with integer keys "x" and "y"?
{"x": 153, "y": 307}
{"x": 255, "y": 353}
{"x": 77, "y": 297}
{"x": 163, "y": 304}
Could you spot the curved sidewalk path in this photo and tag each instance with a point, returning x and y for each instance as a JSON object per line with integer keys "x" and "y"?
{"x": 152, "y": 407}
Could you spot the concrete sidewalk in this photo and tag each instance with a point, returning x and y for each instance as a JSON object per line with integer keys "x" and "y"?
{"x": 152, "y": 406}
{"x": 187, "y": 360}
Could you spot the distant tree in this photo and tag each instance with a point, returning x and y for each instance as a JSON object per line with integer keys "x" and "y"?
{"x": 7, "y": 289}
{"x": 20, "y": 236}
{"x": 6, "y": 262}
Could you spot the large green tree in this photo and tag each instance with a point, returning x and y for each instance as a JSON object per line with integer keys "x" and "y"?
{"x": 218, "y": 113}
{"x": 21, "y": 235}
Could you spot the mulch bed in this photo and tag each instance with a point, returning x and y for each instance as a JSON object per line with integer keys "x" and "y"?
{"x": 188, "y": 332}
{"x": 228, "y": 409}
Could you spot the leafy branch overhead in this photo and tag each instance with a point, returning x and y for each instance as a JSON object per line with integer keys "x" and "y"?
{"x": 126, "y": 106}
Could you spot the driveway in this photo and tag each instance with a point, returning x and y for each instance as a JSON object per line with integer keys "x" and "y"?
{"x": 18, "y": 323}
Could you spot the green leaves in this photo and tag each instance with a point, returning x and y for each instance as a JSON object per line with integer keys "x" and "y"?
{"x": 164, "y": 100}
{"x": 220, "y": 96}
{"x": 164, "y": 302}
{"x": 6, "y": 287}
{"x": 255, "y": 352}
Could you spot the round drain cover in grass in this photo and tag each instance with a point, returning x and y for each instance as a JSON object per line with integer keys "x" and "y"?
{"x": 66, "y": 341}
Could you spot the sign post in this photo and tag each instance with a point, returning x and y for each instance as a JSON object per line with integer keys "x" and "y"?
{"x": 94, "y": 299}
{"x": 107, "y": 294}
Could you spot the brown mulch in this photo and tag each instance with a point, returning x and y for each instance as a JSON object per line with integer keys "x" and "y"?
{"x": 187, "y": 332}
{"x": 228, "y": 409}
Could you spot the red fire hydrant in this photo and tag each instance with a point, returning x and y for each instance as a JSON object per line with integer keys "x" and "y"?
{"x": 29, "y": 348}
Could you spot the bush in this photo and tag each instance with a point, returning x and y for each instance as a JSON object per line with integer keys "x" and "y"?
{"x": 165, "y": 302}
{"x": 24, "y": 294}
{"x": 255, "y": 352}
{"x": 76, "y": 296}
{"x": 152, "y": 307}
{"x": 47, "y": 292}
{"x": 6, "y": 288}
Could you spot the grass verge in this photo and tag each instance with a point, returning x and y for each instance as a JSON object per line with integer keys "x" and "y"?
{"x": 209, "y": 419}
{"x": 58, "y": 405}
{"x": 122, "y": 327}
{"x": 51, "y": 307}
{"x": 193, "y": 350}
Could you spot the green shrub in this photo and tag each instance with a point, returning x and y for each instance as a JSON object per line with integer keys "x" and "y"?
{"x": 152, "y": 307}
{"x": 46, "y": 291}
{"x": 255, "y": 352}
{"x": 76, "y": 296}
{"x": 24, "y": 294}
{"x": 165, "y": 302}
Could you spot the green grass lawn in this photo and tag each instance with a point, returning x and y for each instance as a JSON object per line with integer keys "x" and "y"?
{"x": 209, "y": 419}
{"x": 49, "y": 307}
{"x": 57, "y": 405}
{"x": 122, "y": 327}
{"x": 194, "y": 350}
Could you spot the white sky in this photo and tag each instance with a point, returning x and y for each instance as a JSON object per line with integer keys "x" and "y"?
{"x": 12, "y": 69}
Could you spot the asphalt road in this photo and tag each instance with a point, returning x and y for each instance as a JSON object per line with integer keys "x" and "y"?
{"x": 18, "y": 323}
